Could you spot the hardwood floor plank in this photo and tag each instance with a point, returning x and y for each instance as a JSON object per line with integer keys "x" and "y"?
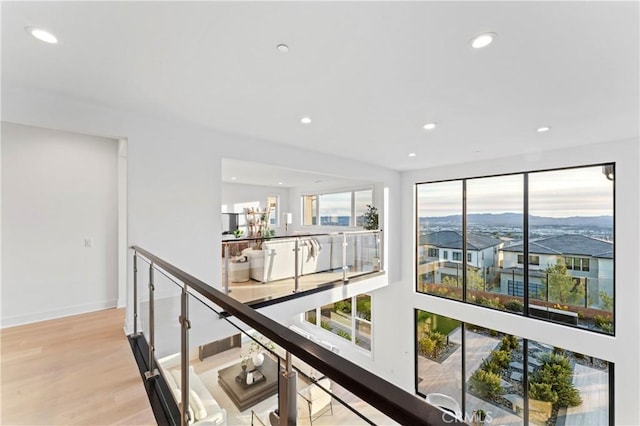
{"x": 72, "y": 371}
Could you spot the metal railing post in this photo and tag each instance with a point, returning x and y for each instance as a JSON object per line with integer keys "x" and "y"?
{"x": 226, "y": 268}
{"x": 135, "y": 295}
{"x": 296, "y": 274}
{"x": 185, "y": 325}
{"x": 153, "y": 372}
{"x": 344, "y": 258}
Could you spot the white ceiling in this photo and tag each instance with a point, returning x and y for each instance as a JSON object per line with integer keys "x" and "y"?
{"x": 369, "y": 74}
{"x": 251, "y": 173}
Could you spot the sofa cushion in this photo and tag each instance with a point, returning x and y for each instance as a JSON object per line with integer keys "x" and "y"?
{"x": 195, "y": 403}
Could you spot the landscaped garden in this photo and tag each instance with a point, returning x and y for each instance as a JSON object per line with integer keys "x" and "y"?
{"x": 499, "y": 378}
{"x": 433, "y": 331}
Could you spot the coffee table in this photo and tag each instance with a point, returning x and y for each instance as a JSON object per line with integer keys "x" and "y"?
{"x": 244, "y": 396}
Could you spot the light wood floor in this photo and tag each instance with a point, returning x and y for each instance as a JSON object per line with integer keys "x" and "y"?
{"x": 71, "y": 371}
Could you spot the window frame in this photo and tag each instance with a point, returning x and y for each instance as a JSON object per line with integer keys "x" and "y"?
{"x": 306, "y": 197}
{"x": 526, "y": 230}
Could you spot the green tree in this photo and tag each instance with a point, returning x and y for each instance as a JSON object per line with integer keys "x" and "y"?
{"x": 475, "y": 280}
{"x": 561, "y": 286}
{"x": 553, "y": 382}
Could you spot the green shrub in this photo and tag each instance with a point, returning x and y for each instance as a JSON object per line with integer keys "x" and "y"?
{"x": 363, "y": 306}
{"x": 490, "y": 366}
{"x": 426, "y": 346}
{"x": 439, "y": 339}
{"x": 514, "y": 306}
{"x": 491, "y": 303}
{"x": 554, "y": 382}
{"x": 606, "y": 301}
{"x": 485, "y": 383}
{"x": 342, "y": 306}
{"x": 344, "y": 334}
{"x": 509, "y": 343}
{"x": 326, "y": 325}
{"x": 501, "y": 358}
{"x": 604, "y": 323}
{"x": 493, "y": 333}
{"x": 543, "y": 392}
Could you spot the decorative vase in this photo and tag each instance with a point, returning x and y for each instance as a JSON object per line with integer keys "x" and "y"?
{"x": 249, "y": 378}
{"x": 243, "y": 373}
{"x": 258, "y": 359}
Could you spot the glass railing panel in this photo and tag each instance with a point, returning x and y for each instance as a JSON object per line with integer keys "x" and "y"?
{"x": 236, "y": 264}
{"x": 254, "y": 270}
{"x": 142, "y": 289}
{"x": 166, "y": 294}
{"x": 320, "y": 260}
{"x": 364, "y": 249}
{"x": 322, "y": 401}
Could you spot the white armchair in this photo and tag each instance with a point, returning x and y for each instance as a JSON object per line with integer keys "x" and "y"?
{"x": 445, "y": 403}
{"x": 317, "y": 400}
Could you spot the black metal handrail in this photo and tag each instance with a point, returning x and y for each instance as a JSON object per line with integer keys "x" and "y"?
{"x": 386, "y": 397}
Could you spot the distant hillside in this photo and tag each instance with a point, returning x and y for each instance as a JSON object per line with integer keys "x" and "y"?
{"x": 515, "y": 219}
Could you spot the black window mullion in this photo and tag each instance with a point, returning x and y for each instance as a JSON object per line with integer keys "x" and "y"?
{"x": 525, "y": 242}
{"x": 464, "y": 240}
{"x": 525, "y": 380}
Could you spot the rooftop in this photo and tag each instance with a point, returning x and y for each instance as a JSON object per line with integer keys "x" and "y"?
{"x": 567, "y": 244}
{"x": 453, "y": 240}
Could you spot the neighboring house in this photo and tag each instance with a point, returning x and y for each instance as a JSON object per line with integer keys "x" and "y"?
{"x": 440, "y": 254}
{"x": 588, "y": 259}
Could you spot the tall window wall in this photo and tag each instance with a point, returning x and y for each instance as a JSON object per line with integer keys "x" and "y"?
{"x": 539, "y": 244}
{"x": 564, "y": 387}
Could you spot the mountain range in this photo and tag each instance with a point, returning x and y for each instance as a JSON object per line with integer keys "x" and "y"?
{"x": 515, "y": 219}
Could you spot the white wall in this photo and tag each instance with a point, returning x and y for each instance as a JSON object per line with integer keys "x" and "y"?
{"x": 623, "y": 349}
{"x": 58, "y": 189}
{"x": 233, "y": 193}
{"x": 174, "y": 181}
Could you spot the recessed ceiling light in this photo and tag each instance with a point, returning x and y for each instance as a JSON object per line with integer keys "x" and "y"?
{"x": 42, "y": 35}
{"x": 482, "y": 40}
{"x": 233, "y": 178}
{"x": 279, "y": 183}
{"x": 305, "y": 120}
{"x": 429, "y": 126}
{"x": 413, "y": 154}
{"x": 282, "y": 48}
{"x": 543, "y": 129}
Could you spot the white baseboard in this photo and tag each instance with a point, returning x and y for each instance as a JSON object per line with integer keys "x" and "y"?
{"x": 56, "y": 313}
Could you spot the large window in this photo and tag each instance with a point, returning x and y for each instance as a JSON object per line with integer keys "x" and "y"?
{"x": 536, "y": 243}
{"x": 336, "y": 209}
{"x": 564, "y": 387}
{"x": 440, "y": 228}
{"x": 349, "y": 318}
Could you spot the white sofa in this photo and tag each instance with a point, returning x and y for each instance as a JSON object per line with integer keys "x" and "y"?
{"x": 276, "y": 260}
{"x": 203, "y": 408}
{"x": 316, "y": 401}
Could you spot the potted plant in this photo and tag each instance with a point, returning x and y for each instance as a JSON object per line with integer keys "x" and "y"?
{"x": 371, "y": 218}
{"x": 479, "y": 417}
{"x": 255, "y": 349}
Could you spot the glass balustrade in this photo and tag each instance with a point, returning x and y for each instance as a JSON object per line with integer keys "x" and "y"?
{"x": 255, "y": 270}
{"x": 224, "y": 370}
